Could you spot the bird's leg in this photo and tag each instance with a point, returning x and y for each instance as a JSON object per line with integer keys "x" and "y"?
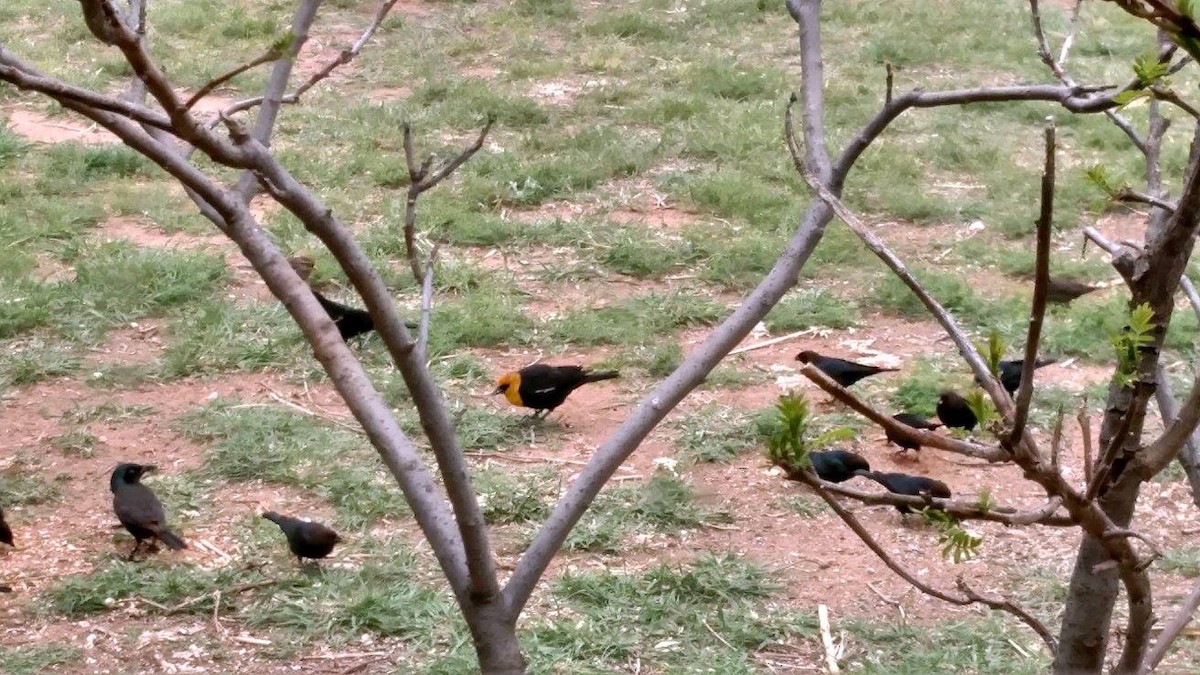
{"x": 137, "y": 544}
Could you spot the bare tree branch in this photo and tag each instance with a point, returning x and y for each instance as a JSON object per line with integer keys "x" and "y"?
{"x": 419, "y": 180}
{"x": 352, "y": 383}
{"x": 1037, "y": 311}
{"x": 217, "y": 81}
{"x": 1129, "y": 195}
{"x": 1085, "y": 430}
{"x": 863, "y": 534}
{"x": 925, "y": 438}
{"x": 14, "y": 72}
{"x": 1171, "y": 631}
{"x": 264, "y": 126}
{"x": 1047, "y": 515}
{"x": 346, "y": 56}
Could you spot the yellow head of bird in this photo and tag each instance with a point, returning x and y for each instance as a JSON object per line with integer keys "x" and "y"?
{"x": 509, "y": 384}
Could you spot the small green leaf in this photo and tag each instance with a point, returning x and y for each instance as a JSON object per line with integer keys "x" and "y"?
{"x": 984, "y": 501}
{"x": 1128, "y": 343}
{"x": 1126, "y": 97}
{"x": 982, "y": 406}
{"x": 1148, "y": 70}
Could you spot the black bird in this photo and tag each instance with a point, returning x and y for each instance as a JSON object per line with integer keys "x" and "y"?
{"x": 954, "y": 411}
{"x": 544, "y": 387}
{"x": 350, "y": 321}
{"x": 1010, "y": 373}
{"x": 138, "y": 509}
{"x": 1062, "y": 291}
{"x": 904, "y": 484}
{"x": 914, "y": 421}
{"x": 5, "y": 531}
{"x": 837, "y": 466}
{"x": 841, "y": 371}
{"x": 306, "y": 538}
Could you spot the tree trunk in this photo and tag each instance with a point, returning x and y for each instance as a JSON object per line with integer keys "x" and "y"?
{"x": 495, "y": 638}
{"x": 1083, "y": 639}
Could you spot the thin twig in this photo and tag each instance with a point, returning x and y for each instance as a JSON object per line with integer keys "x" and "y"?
{"x": 1070, "y": 39}
{"x": 773, "y": 341}
{"x": 426, "y": 303}
{"x": 1129, "y": 195}
{"x": 1171, "y": 631}
{"x": 346, "y": 56}
{"x": 1037, "y": 311}
{"x": 1009, "y": 606}
{"x": 857, "y": 527}
{"x": 826, "y": 639}
{"x": 420, "y": 180}
{"x": 267, "y": 57}
{"x": 1116, "y": 444}
{"x": 925, "y": 438}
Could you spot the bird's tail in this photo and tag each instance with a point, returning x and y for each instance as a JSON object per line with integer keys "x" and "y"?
{"x": 172, "y": 540}
{"x": 865, "y": 473}
{"x": 1043, "y": 362}
{"x": 600, "y": 375}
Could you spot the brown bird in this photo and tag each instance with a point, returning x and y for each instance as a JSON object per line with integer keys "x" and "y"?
{"x": 841, "y": 371}
{"x": 306, "y": 538}
{"x": 303, "y": 265}
{"x": 914, "y": 421}
{"x": 954, "y": 411}
{"x": 1062, "y": 291}
{"x": 139, "y": 510}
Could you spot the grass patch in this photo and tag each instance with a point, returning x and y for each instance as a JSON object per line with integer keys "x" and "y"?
{"x": 168, "y": 585}
{"x": 809, "y": 308}
{"x": 616, "y": 617}
{"x": 978, "y": 646}
{"x": 36, "y": 658}
{"x": 1182, "y": 561}
{"x": 635, "y": 321}
{"x": 715, "y": 433}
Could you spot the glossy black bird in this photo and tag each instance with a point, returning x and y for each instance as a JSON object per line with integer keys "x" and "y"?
{"x": 138, "y": 509}
{"x": 1062, "y": 291}
{"x": 1010, "y": 373}
{"x": 841, "y": 371}
{"x": 914, "y": 421}
{"x": 954, "y": 411}
{"x": 350, "y": 321}
{"x": 6, "y": 536}
{"x": 837, "y": 466}
{"x": 544, "y": 387}
{"x": 904, "y": 484}
{"x": 306, "y": 539}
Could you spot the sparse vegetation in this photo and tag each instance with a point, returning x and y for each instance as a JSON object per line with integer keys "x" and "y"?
{"x": 607, "y": 117}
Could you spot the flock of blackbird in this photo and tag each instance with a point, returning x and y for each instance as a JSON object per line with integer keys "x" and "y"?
{"x": 836, "y": 466}
{"x": 542, "y": 388}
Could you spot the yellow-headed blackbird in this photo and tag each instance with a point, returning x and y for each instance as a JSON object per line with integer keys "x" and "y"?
{"x": 837, "y": 466}
{"x": 914, "y": 421}
{"x": 841, "y": 371}
{"x": 138, "y": 509}
{"x": 544, "y": 387}
{"x": 306, "y": 539}
{"x": 954, "y": 411}
{"x": 904, "y": 484}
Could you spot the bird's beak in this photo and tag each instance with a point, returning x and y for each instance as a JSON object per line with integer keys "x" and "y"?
{"x": 147, "y": 468}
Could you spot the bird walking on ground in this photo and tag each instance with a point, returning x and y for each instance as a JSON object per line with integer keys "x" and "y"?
{"x": 837, "y": 466}
{"x": 139, "y": 510}
{"x": 1010, "y": 373}
{"x": 6, "y": 535}
{"x": 306, "y": 538}
{"x": 544, "y": 387}
{"x": 904, "y": 484}
{"x": 841, "y": 371}
{"x": 954, "y": 411}
{"x": 914, "y": 421}
{"x": 1061, "y": 291}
